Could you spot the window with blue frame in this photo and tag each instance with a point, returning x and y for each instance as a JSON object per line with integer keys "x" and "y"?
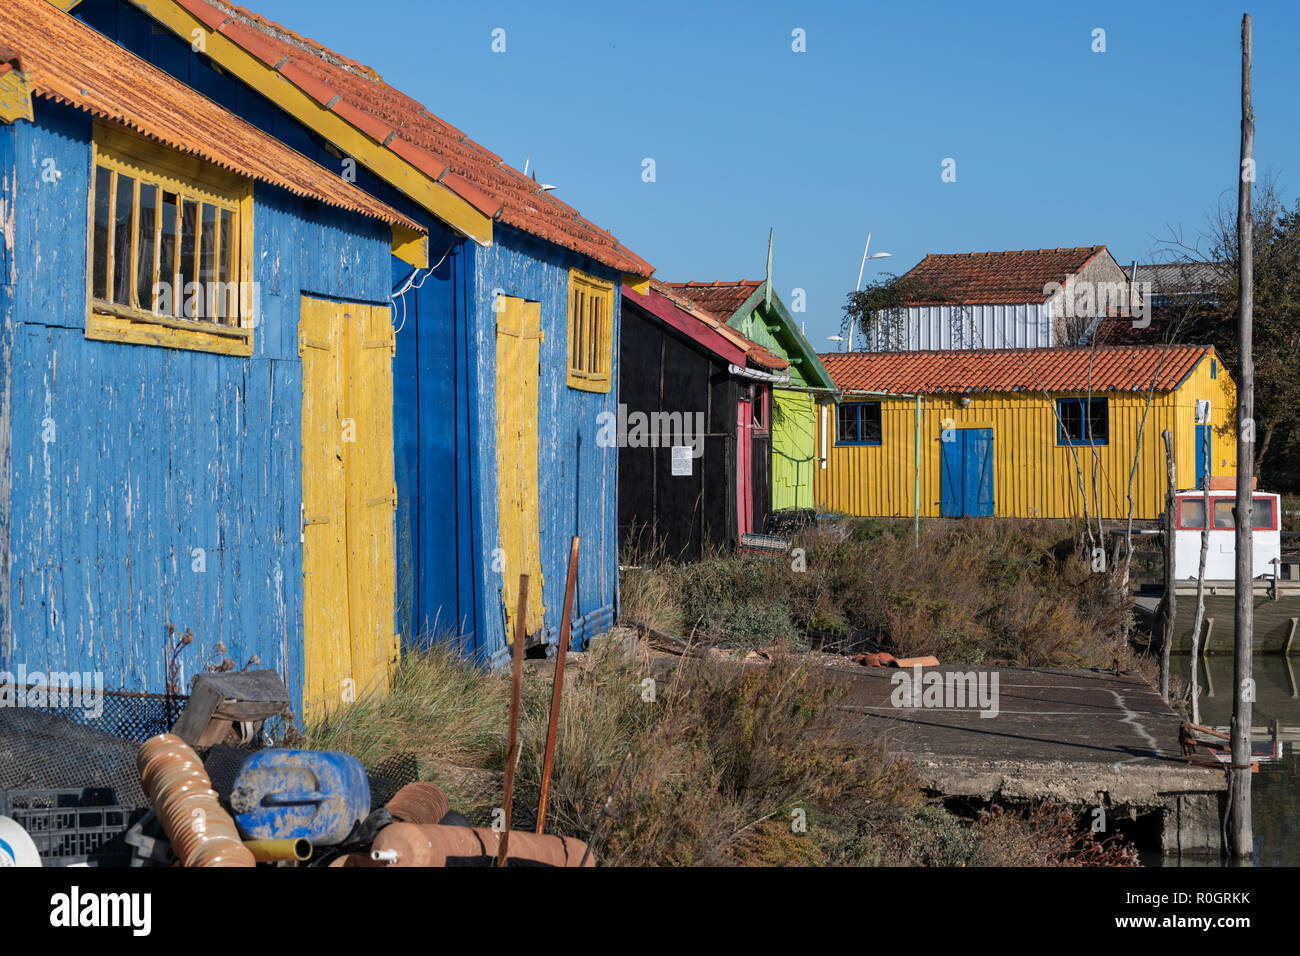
{"x": 1082, "y": 421}
{"x": 859, "y": 423}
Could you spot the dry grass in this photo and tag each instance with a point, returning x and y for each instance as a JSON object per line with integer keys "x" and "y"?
{"x": 718, "y": 751}
{"x": 440, "y": 708}
{"x": 729, "y": 765}
{"x": 975, "y": 591}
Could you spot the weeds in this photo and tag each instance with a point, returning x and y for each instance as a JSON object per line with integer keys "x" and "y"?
{"x": 974, "y": 591}
{"x": 439, "y": 707}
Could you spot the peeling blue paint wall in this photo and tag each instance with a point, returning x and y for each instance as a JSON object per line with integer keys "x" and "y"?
{"x": 577, "y": 479}
{"x": 445, "y": 396}
{"x": 131, "y": 466}
{"x": 437, "y": 531}
{"x": 437, "y": 597}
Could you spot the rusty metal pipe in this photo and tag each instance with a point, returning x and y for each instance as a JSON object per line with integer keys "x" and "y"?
{"x": 201, "y": 832}
{"x": 516, "y": 686}
{"x": 418, "y": 802}
{"x": 278, "y": 851}
{"x": 414, "y": 844}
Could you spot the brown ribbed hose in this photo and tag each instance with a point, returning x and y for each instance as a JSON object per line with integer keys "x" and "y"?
{"x": 201, "y": 832}
{"x": 418, "y": 802}
{"x": 412, "y": 844}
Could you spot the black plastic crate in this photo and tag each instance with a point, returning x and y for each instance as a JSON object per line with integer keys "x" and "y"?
{"x": 73, "y": 826}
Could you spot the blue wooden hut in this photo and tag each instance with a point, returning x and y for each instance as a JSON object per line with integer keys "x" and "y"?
{"x": 192, "y": 315}
{"x": 506, "y": 322}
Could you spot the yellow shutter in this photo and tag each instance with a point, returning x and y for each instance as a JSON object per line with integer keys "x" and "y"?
{"x": 372, "y": 495}
{"x": 324, "y": 497}
{"x": 519, "y": 337}
{"x": 349, "y": 555}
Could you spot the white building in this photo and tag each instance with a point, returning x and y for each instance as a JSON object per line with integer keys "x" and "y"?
{"x": 995, "y": 300}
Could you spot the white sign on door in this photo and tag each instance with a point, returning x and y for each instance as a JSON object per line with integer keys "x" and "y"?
{"x": 682, "y": 460}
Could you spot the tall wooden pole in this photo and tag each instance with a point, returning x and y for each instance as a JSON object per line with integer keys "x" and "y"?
{"x": 1243, "y": 694}
{"x": 1170, "y": 607}
{"x": 557, "y": 690}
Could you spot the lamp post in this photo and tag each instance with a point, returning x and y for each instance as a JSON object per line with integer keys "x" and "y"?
{"x": 866, "y": 254}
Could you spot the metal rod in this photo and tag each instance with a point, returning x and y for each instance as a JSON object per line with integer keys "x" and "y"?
{"x": 604, "y": 811}
{"x": 516, "y": 688}
{"x": 560, "y": 652}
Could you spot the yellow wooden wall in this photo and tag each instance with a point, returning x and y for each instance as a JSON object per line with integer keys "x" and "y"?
{"x": 519, "y": 338}
{"x": 1033, "y": 475}
{"x": 348, "y": 500}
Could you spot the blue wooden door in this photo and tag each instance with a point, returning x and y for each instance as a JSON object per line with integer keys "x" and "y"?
{"x": 966, "y": 488}
{"x": 1201, "y": 464}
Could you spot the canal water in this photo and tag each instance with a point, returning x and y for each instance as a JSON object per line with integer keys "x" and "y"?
{"x": 1275, "y": 790}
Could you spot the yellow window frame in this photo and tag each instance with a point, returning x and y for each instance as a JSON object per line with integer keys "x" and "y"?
{"x": 120, "y": 151}
{"x": 591, "y": 332}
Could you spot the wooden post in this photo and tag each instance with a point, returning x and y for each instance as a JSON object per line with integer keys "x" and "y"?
{"x": 516, "y": 690}
{"x": 1169, "y": 606}
{"x": 561, "y": 650}
{"x": 1243, "y": 693}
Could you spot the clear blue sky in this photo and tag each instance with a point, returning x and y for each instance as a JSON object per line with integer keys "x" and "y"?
{"x": 1055, "y": 145}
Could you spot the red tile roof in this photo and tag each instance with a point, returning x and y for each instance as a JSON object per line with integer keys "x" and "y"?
{"x": 754, "y": 352}
{"x": 718, "y": 299}
{"x": 994, "y": 278}
{"x": 1113, "y": 369}
{"x": 68, "y": 62}
{"x": 357, "y": 94}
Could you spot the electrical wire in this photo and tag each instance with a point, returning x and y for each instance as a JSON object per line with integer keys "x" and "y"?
{"x": 409, "y": 283}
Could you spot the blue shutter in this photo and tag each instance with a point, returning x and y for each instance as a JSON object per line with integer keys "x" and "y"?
{"x": 951, "y": 476}
{"x": 977, "y": 472}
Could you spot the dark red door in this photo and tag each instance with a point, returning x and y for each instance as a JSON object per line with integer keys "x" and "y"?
{"x": 744, "y": 463}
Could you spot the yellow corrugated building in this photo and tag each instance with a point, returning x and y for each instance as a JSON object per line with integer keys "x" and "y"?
{"x": 1021, "y": 432}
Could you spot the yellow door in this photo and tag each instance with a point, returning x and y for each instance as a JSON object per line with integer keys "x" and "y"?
{"x": 349, "y": 558}
{"x": 519, "y": 338}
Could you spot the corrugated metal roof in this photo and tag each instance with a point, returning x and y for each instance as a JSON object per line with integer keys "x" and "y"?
{"x": 1181, "y": 278}
{"x": 1116, "y": 369}
{"x": 719, "y": 299}
{"x": 357, "y": 94}
{"x": 995, "y": 278}
{"x": 68, "y": 62}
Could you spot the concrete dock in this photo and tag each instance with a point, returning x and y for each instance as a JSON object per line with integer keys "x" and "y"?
{"x": 1084, "y": 738}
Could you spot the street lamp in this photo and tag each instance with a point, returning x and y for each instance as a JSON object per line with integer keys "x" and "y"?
{"x": 866, "y": 254}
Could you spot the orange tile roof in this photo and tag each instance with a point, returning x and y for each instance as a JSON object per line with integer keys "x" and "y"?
{"x": 753, "y": 351}
{"x": 719, "y": 299}
{"x": 357, "y": 94}
{"x": 68, "y": 62}
{"x": 1108, "y": 369}
{"x": 993, "y": 278}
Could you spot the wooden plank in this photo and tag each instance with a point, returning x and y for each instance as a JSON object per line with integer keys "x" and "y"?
{"x": 519, "y": 336}
{"x": 326, "y": 638}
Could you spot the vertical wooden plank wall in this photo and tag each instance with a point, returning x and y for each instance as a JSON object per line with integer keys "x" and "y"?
{"x": 1034, "y": 476}
{"x": 161, "y": 462}
{"x": 794, "y": 448}
{"x": 578, "y": 481}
